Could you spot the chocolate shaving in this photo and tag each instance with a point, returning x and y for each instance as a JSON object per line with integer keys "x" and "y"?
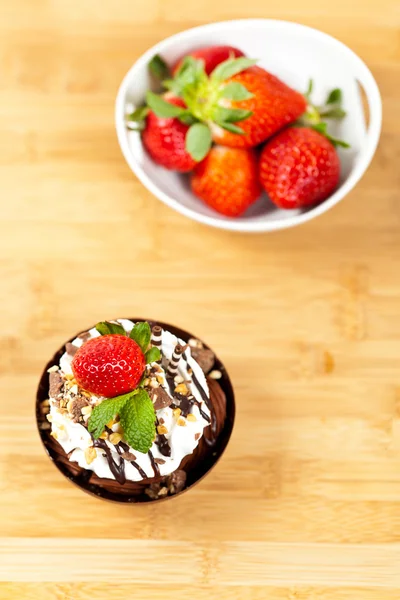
{"x": 160, "y": 398}
{"x": 84, "y": 336}
{"x": 128, "y": 456}
{"x": 71, "y": 349}
{"x": 159, "y": 461}
{"x": 176, "y": 481}
{"x": 75, "y": 407}
{"x": 204, "y": 357}
{"x": 55, "y": 384}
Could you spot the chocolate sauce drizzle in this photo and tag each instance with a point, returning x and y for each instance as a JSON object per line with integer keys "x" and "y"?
{"x": 162, "y": 442}
{"x": 211, "y": 439}
{"x": 118, "y": 470}
{"x": 154, "y": 464}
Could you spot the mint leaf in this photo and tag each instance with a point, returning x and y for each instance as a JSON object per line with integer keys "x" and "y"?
{"x": 231, "y": 127}
{"x": 152, "y": 355}
{"x": 162, "y": 108}
{"x": 106, "y": 327}
{"x": 141, "y": 333}
{"x": 104, "y": 412}
{"x": 138, "y": 421}
{"x": 232, "y": 115}
{"x": 236, "y": 91}
{"x": 231, "y": 67}
{"x": 334, "y": 97}
{"x": 198, "y": 141}
{"x": 159, "y": 68}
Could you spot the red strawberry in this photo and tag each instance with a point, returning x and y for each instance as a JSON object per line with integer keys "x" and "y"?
{"x": 299, "y": 167}
{"x": 273, "y": 105}
{"x": 227, "y": 180}
{"x": 109, "y": 365}
{"x": 164, "y": 139}
{"x": 211, "y": 57}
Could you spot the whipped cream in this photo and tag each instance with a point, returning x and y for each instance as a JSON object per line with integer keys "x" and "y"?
{"x": 182, "y": 434}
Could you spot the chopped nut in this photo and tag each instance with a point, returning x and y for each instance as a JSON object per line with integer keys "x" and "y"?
{"x": 193, "y": 343}
{"x": 154, "y": 383}
{"x": 73, "y": 389}
{"x": 86, "y": 418}
{"x": 104, "y": 435}
{"x": 115, "y": 438}
{"x": 54, "y": 435}
{"x": 191, "y": 417}
{"x": 181, "y": 422}
{"x": 196, "y": 437}
{"x": 69, "y": 376}
{"x": 177, "y": 412}
{"x": 162, "y": 430}
{"x": 86, "y": 410}
{"x": 190, "y": 371}
{"x": 90, "y": 454}
{"x": 163, "y": 491}
{"x": 178, "y": 379}
{"x": 44, "y": 426}
{"x": 146, "y": 382}
{"x": 160, "y": 379}
{"x": 111, "y": 423}
{"x": 182, "y": 389}
{"x": 53, "y": 369}
{"x": 49, "y": 418}
{"x": 215, "y": 374}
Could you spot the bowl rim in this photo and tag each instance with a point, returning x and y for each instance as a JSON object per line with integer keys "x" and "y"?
{"x": 242, "y": 224}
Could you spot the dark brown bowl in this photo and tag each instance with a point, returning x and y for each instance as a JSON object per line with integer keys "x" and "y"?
{"x": 196, "y": 465}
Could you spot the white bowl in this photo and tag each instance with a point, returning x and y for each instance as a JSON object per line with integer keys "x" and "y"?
{"x": 295, "y": 54}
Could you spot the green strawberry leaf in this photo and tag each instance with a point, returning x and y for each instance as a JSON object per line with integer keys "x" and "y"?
{"x": 162, "y": 108}
{"x": 152, "y": 355}
{"x": 159, "y": 68}
{"x": 231, "y": 67}
{"x": 138, "y": 115}
{"x": 236, "y": 91}
{"x": 309, "y": 89}
{"x": 106, "y": 327}
{"x": 334, "y": 97}
{"x": 141, "y": 333}
{"x": 188, "y": 119}
{"x": 138, "y": 418}
{"x": 190, "y": 74}
{"x": 231, "y": 115}
{"x": 198, "y": 141}
{"x": 333, "y": 113}
{"x": 231, "y": 127}
{"x": 104, "y": 412}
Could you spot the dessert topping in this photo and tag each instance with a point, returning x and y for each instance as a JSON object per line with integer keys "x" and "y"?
{"x": 55, "y": 384}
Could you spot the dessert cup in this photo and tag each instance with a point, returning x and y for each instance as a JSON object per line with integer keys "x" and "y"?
{"x": 152, "y": 485}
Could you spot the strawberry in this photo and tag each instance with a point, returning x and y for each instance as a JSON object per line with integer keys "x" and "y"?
{"x": 109, "y": 365}
{"x": 299, "y": 167}
{"x": 236, "y": 92}
{"x": 164, "y": 139}
{"x": 273, "y": 105}
{"x": 227, "y": 180}
{"x": 210, "y": 56}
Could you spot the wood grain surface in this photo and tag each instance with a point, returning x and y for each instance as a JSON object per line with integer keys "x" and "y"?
{"x": 305, "y": 504}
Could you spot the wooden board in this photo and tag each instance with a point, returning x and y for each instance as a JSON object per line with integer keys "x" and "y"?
{"x": 305, "y": 505}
